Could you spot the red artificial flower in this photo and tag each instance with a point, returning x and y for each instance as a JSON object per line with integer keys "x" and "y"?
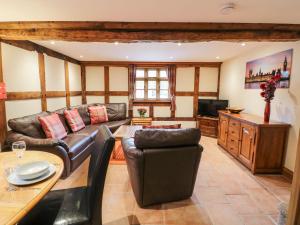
{"x": 262, "y": 94}
{"x": 263, "y": 86}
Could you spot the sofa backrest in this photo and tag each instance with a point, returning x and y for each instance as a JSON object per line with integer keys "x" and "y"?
{"x": 28, "y": 125}
{"x": 166, "y": 138}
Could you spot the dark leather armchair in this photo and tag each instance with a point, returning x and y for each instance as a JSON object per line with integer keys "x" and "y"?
{"x": 162, "y": 164}
{"x": 81, "y": 205}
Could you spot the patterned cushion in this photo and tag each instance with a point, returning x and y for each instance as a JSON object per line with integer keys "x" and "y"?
{"x": 53, "y": 126}
{"x": 98, "y": 114}
{"x": 74, "y": 120}
{"x": 175, "y": 126}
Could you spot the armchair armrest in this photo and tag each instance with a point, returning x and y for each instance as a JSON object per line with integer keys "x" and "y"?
{"x": 36, "y": 142}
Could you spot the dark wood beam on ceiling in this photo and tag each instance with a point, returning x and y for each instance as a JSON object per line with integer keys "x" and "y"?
{"x": 31, "y": 46}
{"x": 148, "y": 31}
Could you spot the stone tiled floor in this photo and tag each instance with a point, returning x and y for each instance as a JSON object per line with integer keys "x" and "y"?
{"x": 225, "y": 194}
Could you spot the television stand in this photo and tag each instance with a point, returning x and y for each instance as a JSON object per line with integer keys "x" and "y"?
{"x": 208, "y": 126}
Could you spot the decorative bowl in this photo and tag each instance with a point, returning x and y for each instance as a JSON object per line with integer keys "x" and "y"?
{"x": 235, "y": 110}
{"x": 32, "y": 170}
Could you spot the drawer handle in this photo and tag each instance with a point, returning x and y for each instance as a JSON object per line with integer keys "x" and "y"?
{"x": 233, "y": 124}
{"x": 232, "y": 140}
{"x": 232, "y": 132}
{"x": 246, "y": 131}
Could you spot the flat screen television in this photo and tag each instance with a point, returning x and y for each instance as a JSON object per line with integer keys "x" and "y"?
{"x": 210, "y": 107}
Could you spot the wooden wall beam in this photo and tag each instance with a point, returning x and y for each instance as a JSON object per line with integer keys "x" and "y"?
{"x": 208, "y": 94}
{"x": 67, "y": 84}
{"x": 148, "y": 31}
{"x": 184, "y": 93}
{"x": 41, "y": 59}
{"x": 294, "y": 204}
{"x": 83, "y": 83}
{"x": 196, "y": 91}
{"x": 75, "y": 93}
{"x": 174, "y": 119}
{"x": 106, "y": 84}
{"x": 31, "y": 46}
{"x": 219, "y": 79}
{"x": 3, "y": 127}
{"x": 55, "y": 94}
{"x": 150, "y": 64}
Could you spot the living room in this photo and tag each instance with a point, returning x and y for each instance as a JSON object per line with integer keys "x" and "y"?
{"x": 186, "y": 122}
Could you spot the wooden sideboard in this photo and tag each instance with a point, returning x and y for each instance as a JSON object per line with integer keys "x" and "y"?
{"x": 258, "y": 145}
{"x": 208, "y": 126}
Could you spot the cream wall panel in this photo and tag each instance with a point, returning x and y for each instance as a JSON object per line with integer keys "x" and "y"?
{"x": 55, "y": 74}
{"x": 184, "y": 106}
{"x": 285, "y": 106}
{"x": 95, "y": 78}
{"x": 208, "y": 79}
{"x": 185, "y": 79}
{"x": 135, "y": 112}
{"x": 161, "y": 111}
{"x": 184, "y": 124}
{"x": 20, "y": 69}
{"x": 15, "y": 109}
{"x": 55, "y": 103}
{"x": 75, "y": 100}
{"x": 74, "y": 77}
{"x": 94, "y": 99}
{"x": 118, "y": 79}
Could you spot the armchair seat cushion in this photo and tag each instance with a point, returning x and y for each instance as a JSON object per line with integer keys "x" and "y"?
{"x": 77, "y": 143}
{"x": 89, "y": 130}
{"x": 114, "y": 125}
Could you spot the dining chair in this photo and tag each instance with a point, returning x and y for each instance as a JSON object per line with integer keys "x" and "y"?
{"x": 82, "y": 205}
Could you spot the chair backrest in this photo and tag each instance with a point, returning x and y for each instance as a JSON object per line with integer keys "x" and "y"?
{"x": 97, "y": 172}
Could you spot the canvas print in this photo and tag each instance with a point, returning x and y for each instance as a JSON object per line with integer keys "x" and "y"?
{"x": 261, "y": 70}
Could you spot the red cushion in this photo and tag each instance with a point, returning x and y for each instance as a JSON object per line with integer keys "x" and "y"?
{"x": 53, "y": 126}
{"x": 98, "y": 114}
{"x": 74, "y": 119}
{"x": 175, "y": 126}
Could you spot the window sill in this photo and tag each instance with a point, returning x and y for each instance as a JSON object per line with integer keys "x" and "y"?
{"x": 152, "y": 102}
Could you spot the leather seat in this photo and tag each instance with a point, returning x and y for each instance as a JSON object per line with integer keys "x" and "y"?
{"x": 162, "y": 164}
{"x": 77, "y": 206}
{"x": 114, "y": 125}
{"x": 76, "y": 143}
{"x": 89, "y": 130}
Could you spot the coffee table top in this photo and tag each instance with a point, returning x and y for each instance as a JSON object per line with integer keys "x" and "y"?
{"x": 126, "y": 131}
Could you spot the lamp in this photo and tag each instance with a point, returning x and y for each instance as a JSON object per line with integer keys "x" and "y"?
{"x": 3, "y": 94}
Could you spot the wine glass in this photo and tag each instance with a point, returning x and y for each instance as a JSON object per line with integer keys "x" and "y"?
{"x": 19, "y": 148}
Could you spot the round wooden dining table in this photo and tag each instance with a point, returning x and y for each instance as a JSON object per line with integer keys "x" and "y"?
{"x": 17, "y": 201}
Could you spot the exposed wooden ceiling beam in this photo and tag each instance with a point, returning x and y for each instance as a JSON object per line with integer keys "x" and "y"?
{"x": 148, "y": 31}
{"x": 31, "y": 46}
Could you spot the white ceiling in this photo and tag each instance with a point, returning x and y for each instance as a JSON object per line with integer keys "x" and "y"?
{"x": 262, "y": 11}
{"x": 197, "y": 52}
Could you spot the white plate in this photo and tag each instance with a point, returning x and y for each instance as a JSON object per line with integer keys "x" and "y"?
{"x": 16, "y": 180}
{"x": 32, "y": 170}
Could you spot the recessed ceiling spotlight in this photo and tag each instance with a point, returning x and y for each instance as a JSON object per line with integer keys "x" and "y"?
{"x": 243, "y": 44}
{"x": 217, "y": 57}
{"x": 179, "y": 44}
{"x": 52, "y": 42}
{"x": 171, "y": 57}
{"x": 127, "y": 57}
{"x": 227, "y": 8}
{"x": 116, "y": 42}
{"x": 81, "y": 56}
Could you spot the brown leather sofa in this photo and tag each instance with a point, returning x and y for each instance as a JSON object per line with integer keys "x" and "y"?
{"x": 162, "y": 164}
{"x": 76, "y": 147}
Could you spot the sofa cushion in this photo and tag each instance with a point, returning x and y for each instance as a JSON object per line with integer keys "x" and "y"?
{"x": 53, "y": 126}
{"x": 62, "y": 118}
{"x": 114, "y": 125}
{"x": 83, "y": 112}
{"x": 28, "y": 125}
{"x": 116, "y": 111}
{"x": 98, "y": 114}
{"x": 74, "y": 119}
{"x": 77, "y": 143}
{"x": 89, "y": 130}
{"x": 162, "y": 138}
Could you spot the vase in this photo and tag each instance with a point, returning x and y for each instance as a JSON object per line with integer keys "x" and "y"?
{"x": 267, "y": 112}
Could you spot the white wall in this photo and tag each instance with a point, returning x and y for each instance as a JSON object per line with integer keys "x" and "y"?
{"x": 94, "y": 78}
{"x": 208, "y": 81}
{"x": 285, "y": 106}
{"x": 118, "y": 79}
{"x": 74, "y": 77}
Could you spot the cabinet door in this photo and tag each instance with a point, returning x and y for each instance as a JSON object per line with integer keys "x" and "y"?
{"x": 223, "y": 130}
{"x": 247, "y": 144}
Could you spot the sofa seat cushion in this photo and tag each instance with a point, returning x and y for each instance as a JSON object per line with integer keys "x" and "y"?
{"x": 114, "y": 125}
{"x": 89, "y": 130}
{"x": 77, "y": 143}
{"x": 28, "y": 125}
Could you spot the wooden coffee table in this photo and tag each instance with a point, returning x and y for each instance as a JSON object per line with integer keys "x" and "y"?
{"x": 123, "y": 131}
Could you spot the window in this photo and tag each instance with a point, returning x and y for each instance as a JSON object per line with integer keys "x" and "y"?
{"x": 152, "y": 84}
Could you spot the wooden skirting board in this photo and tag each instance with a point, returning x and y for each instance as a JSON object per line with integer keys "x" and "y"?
{"x": 287, "y": 173}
